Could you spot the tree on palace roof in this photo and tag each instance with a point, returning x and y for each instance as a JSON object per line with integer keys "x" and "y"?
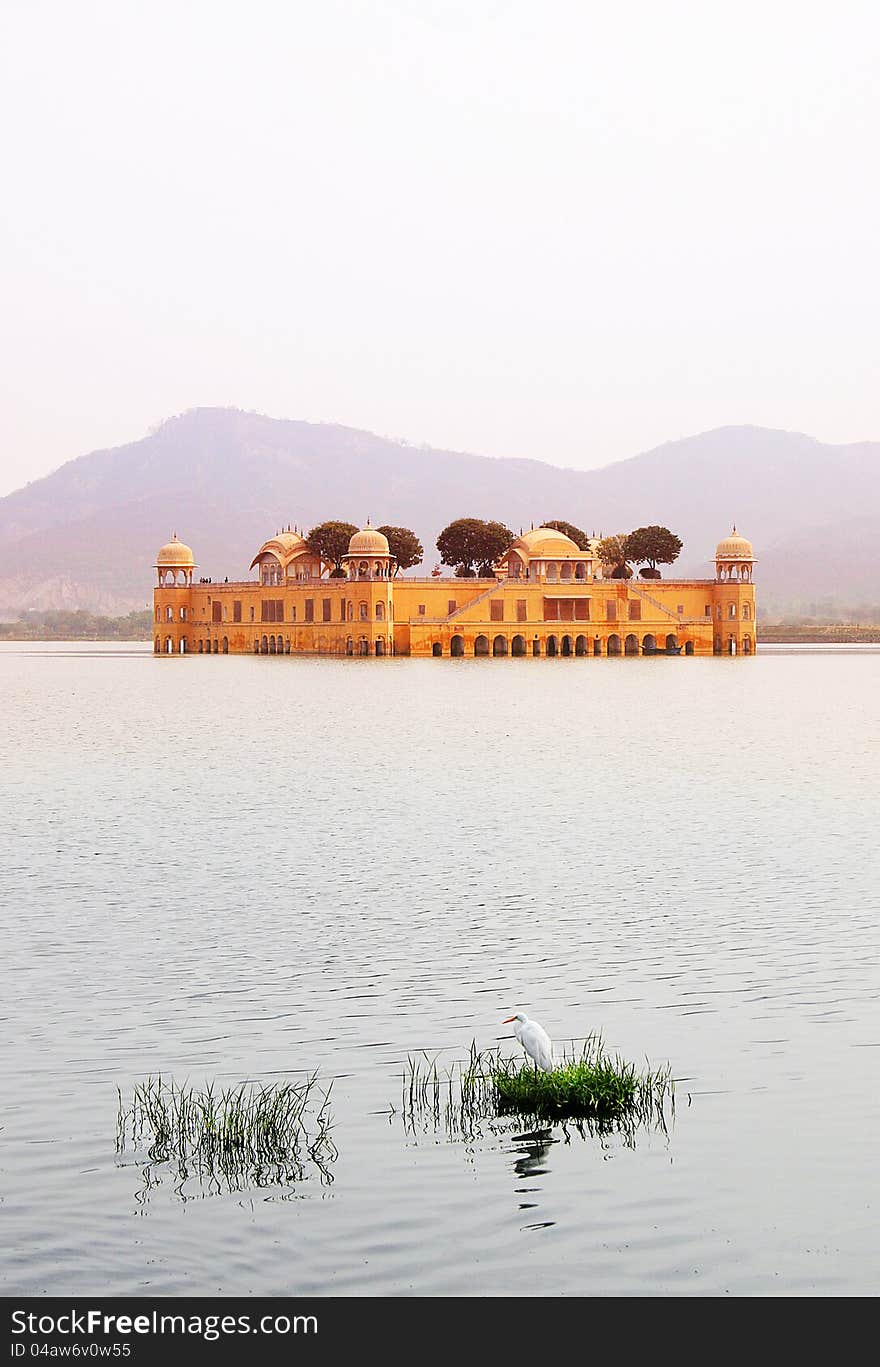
{"x": 330, "y": 541}
{"x": 404, "y": 545}
{"x": 473, "y": 546}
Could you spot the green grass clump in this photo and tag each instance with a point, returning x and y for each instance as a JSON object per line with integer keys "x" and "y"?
{"x": 228, "y": 1138}
{"x": 577, "y": 1089}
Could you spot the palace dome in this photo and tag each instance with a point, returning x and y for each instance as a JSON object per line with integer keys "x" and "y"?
{"x": 734, "y": 547}
{"x": 369, "y": 542}
{"x": 283, "y": 546}
{"x": 546, "y": 542}
{"x": 175, "y": 553}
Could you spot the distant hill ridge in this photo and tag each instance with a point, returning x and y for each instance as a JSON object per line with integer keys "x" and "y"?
{"x": 224, "y": 480}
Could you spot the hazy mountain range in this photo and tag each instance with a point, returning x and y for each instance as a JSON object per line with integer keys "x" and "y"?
{"x": 86, "y": 536}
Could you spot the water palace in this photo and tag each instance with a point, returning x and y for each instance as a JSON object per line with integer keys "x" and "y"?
{"x": 546, "y": 597}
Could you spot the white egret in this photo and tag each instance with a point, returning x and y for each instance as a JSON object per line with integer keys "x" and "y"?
{"x": 534, "y": 1039}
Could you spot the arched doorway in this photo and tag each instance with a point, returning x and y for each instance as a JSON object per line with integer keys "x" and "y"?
{"x": 566, "y": 645}
{"x": 169, "y": 646}
{"x": 614, "y": 645}
{"x": 436, "y": 650}
{"x": 688, "y": 647}
{"x": 518, "y": 646}
{"x": 747, "y": 645}
{"x": 631, "y": 645}
{"x": 597, "y": 646}
{"x": 264, "y": 646}
{"x": 216, "y": 647}
{"x": 671, "y": 641}
{"x": 580, "y": 645}
{"x": 157, "y": 646}
{"x": 457, "y": 646}
{"x": 380, "y": 645}
{"x": 536, "y": 647}
{"x": 552, "y": 645}
{"x": 481, "y": 645}
{"x": 649, "y": 644}
{"x": 499, "y": 645}
{"x": 271, "y": 645}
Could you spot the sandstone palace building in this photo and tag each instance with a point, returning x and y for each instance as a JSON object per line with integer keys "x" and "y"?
{"x": 547, "y": 597}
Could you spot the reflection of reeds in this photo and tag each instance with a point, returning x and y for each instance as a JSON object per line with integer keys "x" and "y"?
{"x": 597, "y": 1092}
{"x": 229, "y": 1138}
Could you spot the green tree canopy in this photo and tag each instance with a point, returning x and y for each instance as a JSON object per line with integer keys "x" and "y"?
{"x": 614, "y": 554}
{"x": 404, "y": 545}
{"x": 653, "y": 545}
{"x": 472, "y": 545}
{"x": 330, "y": 541}
{"x": 580, "y": 539}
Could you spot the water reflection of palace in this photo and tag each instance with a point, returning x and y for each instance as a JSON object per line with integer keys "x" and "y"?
{"x": 546, "y": 597}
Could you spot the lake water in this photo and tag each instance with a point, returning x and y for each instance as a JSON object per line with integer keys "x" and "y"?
{"x": 237, "y": 868}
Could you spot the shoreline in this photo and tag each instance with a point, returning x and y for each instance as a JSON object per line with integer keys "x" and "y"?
{"x": 769, "y": 635}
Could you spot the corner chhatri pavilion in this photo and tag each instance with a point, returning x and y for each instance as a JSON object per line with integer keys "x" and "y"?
{"x": 547, "y": 597}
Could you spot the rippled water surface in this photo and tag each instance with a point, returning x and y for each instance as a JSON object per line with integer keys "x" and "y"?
{"x": 235, "y": 868}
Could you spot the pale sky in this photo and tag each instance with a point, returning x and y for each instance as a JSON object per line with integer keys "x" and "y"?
{"x": 569, "y": 231}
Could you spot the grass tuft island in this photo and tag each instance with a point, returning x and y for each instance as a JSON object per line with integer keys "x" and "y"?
{"x": 593, "y": 1086}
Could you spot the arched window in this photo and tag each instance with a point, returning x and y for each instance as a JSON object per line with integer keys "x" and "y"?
{"x": 169, "y": 613}
{"x": 565, "y": 570}
{"x": 747, "y": 612}
{"x": 552, "y": 572}
{"x": 183, "y": 614}
{"x": 158, "y": 613}
{"x": 364, "y": 611}
{"x": 380, "y": 611}
{"x": 731, "y": 611}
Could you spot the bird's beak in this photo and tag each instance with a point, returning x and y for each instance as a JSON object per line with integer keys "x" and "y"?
{"x": 509, "y": 1019}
